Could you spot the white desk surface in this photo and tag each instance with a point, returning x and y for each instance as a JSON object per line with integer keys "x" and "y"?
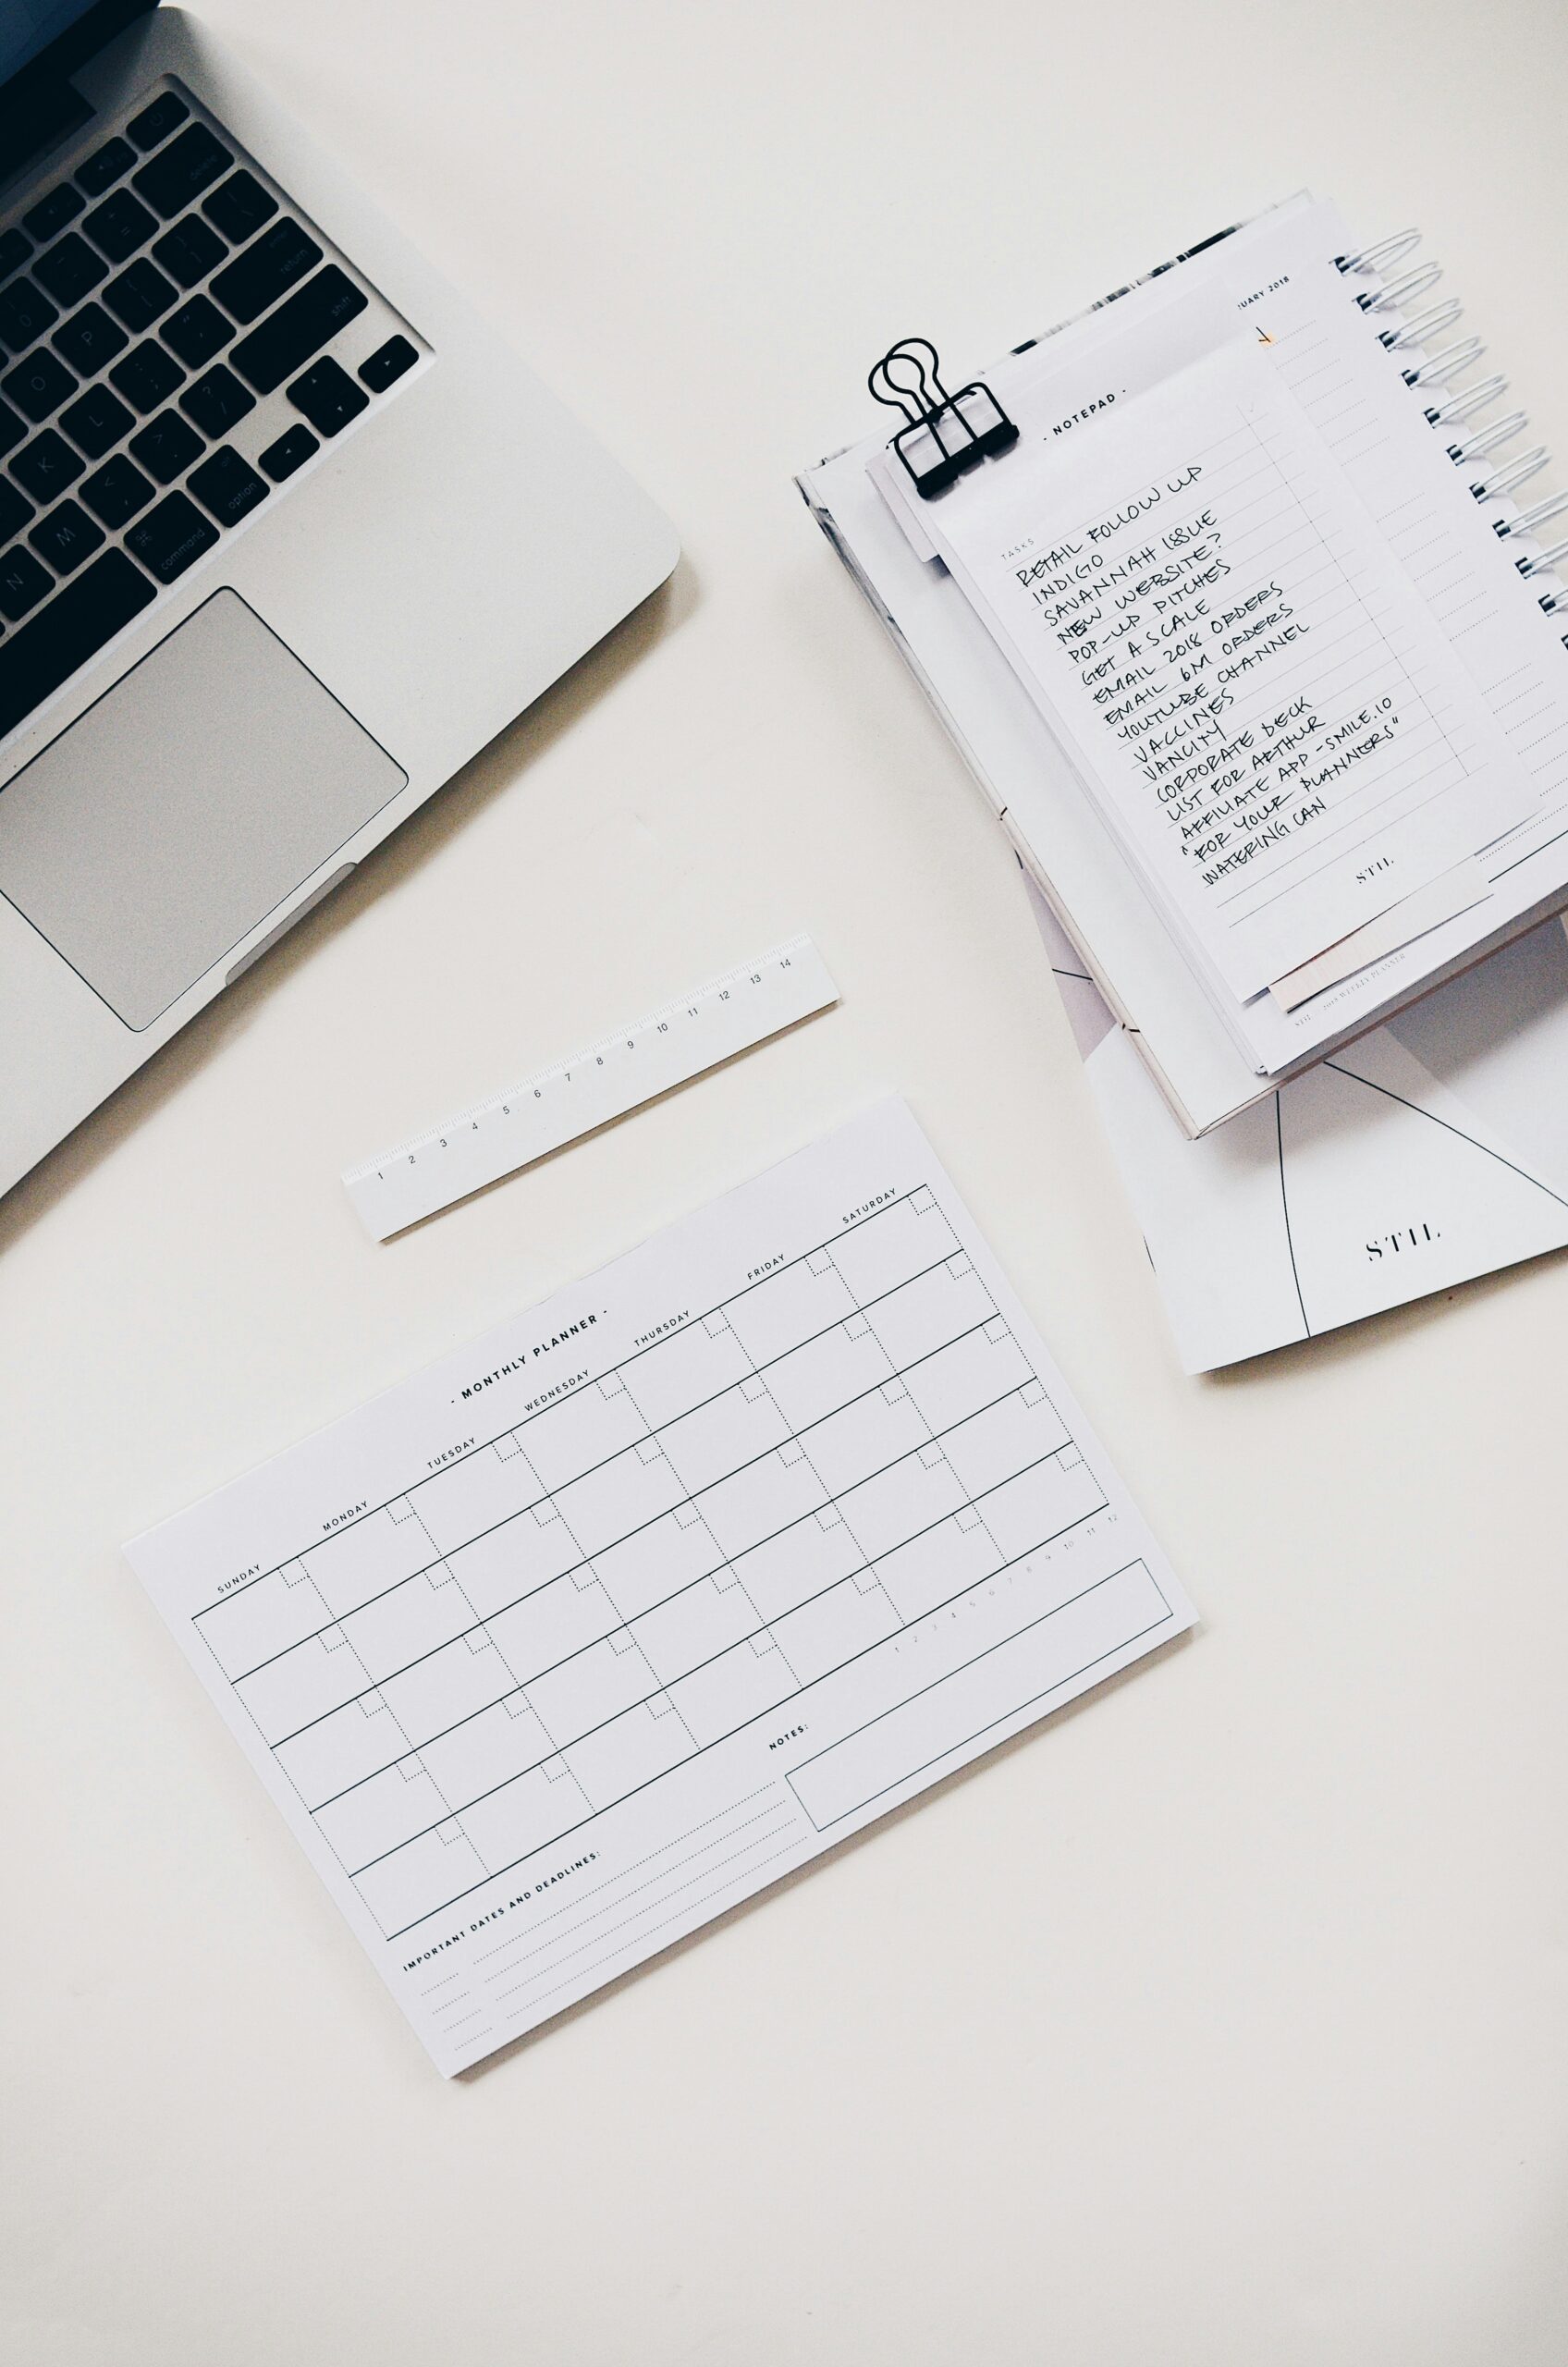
{"x": 1226, "y": 2019}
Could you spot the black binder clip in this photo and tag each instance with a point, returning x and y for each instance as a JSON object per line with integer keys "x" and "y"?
{"x": 947, "y": 434}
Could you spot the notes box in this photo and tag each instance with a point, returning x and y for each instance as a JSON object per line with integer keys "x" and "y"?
{"x": 986, "y": 1692}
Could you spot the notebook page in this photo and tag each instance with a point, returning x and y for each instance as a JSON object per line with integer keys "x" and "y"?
{"x": 1278, "y": 271}
{"x": 1282, "y": 274}
{"x": 1019, "y": 769}
{"x": 1250, "y": 681}
{"x": 596, "y": 1628}
{"x": 1328, "y": 353}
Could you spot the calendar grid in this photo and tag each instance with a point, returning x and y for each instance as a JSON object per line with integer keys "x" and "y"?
{"x": 585, "y": 1562}
{"x": 566, "y": 1831}
{"x": 809, "y": 1472}
{"x": 436, "y": 1557}
{"x": 371, "y": 1511}
{"x": 355, "y": 1871}
{"x": 686, "y": 1590}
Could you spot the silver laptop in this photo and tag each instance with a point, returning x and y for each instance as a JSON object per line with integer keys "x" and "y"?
{"x": 286, "y": 535}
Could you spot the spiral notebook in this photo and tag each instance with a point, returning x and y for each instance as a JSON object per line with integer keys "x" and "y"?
{"x": 1227, "y": 592}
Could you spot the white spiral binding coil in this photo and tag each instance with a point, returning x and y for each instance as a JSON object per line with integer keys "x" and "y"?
{"x": 1487, "y": 438}
{"x": 1492, "y": 488}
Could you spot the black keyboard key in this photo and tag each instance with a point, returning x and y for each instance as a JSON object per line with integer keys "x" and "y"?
{"x": 119, "y": 226}
{"x": 157, "y": 122}
{"x": 139, "y": 297}
{"x": 96, "y": 422}
{"x": 89, "y": 340}
{"x": 14, "y": 510}
{"x": 182, "y": 170}
{"x": 227, "y": 485}
{"x": 166, "y": 447}
{"x": 51, "y": 213}
{"x": 238, "y": 206}
{"x": 197, "y": 331}
{"x": 66, "y": 538}
{"x": 14, "y": 251}
{"x": 46, "y": 466}
{"x": 13, "y": 427}
{"x": 69, "y": 269}
{"x": 255, "y": 279}
{"x": 387, "y": 364}
{"x": 91, "y": 608}
{"x": 38, "y": 385}
{"x": 170, "y": 537}
{"x": 291, "y": 451}
{"x": 190, "y": 251}
{"x": 103, "y": 168}
{"x": 24, "y": 314}
{"x": 215, "y": 402}
{"x": 147, "y": 376}
{"x": 22, "y": 584}
{"x": 117, "y": 493}
{"x": 301, "y": 326}
{"x": 329, "y": 397}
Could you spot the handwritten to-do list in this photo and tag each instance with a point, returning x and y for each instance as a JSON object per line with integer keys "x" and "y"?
{"x": 1281, "y": 732}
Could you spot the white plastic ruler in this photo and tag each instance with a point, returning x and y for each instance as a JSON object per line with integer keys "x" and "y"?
{"x": 525, "y": 1121}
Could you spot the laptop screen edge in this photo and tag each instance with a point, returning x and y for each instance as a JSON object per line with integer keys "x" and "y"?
{"x": 30, "y": 93}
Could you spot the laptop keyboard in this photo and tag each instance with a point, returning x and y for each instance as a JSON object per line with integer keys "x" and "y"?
{"x": 177, "y": 345}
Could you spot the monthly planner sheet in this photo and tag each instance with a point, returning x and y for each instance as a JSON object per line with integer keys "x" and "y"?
{"x": 592, "y": 1630}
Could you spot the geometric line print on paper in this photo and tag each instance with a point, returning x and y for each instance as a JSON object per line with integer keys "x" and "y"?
{"x": 1464, "y": 1163}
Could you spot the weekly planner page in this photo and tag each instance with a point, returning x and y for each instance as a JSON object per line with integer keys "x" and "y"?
{"x": 576, "y": 1639}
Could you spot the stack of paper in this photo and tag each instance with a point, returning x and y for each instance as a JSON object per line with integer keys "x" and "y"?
{"x": 1245, "y": 680}
{"x": 1253, "y": 683}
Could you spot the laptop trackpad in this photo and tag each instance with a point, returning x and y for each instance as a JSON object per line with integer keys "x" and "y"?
{"x": 185, "y": 806}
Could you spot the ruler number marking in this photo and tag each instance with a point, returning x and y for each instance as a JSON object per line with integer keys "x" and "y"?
{"x": 414, "y": 1199}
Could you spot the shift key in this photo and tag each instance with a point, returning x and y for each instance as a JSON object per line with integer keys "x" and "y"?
{"x": 38, "y": 656}
{"x": 298, "y": 329}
